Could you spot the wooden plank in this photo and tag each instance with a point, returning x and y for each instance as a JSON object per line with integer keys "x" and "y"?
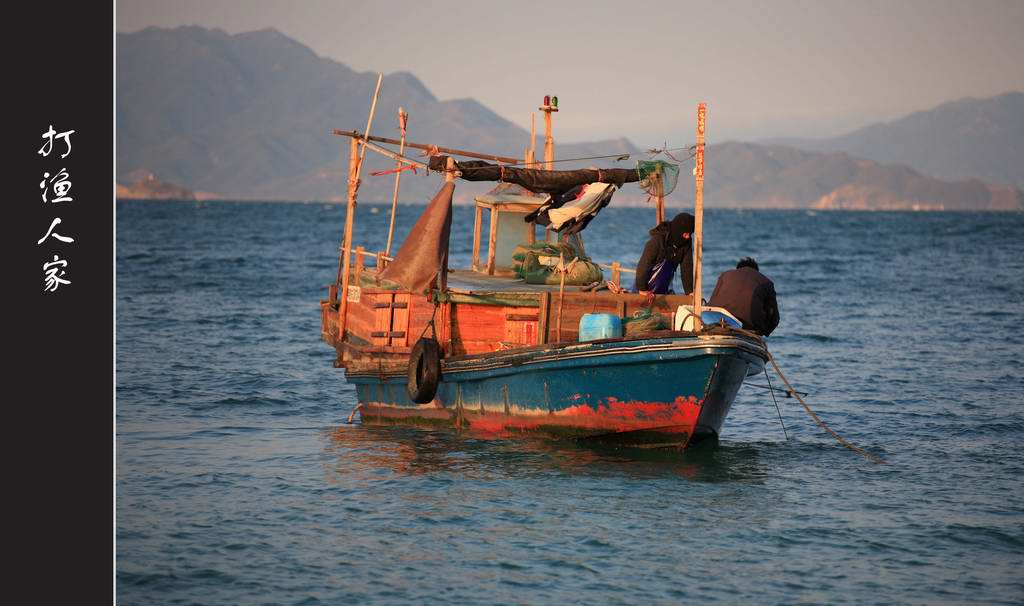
{"x": 400, "y": 320}
{"x": 360, "y": 262}
{"x": 542, "y": 321}
{"x": 476, "y": 238}
{"x": 492, "y": 242}
{"x": 381, "y": 321}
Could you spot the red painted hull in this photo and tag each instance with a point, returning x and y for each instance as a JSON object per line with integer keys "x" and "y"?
{"x": 639, "y": 424}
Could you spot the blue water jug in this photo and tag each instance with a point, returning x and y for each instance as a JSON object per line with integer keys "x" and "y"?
{"x": 600, "y": 326}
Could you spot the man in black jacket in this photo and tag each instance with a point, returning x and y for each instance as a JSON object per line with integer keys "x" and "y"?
{"x": 748, "y": 295}
{"x": 670, "y": 246}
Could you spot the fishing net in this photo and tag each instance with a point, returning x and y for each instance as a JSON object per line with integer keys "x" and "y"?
{"x": 644, "y": 321}
{"x": 657, "y": 178}
{"x": 543, "y": 249}
{"x": 544, "y": 269}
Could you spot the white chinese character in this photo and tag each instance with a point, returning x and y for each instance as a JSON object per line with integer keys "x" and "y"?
{"x": 55, "y": 235}
{"x": 61, "y": 186}
{"x": 48, "y": 146}
{"x": 52, "y": 280}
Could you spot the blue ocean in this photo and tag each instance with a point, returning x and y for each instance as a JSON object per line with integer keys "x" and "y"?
{"x": 239, "y": 482}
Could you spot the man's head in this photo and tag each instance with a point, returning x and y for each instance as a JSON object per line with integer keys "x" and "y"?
{"x": 681, "y": 228}
{"x": 748, "y": 262}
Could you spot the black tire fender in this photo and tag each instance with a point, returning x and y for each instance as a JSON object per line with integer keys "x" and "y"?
{"x": 424, "y": 370}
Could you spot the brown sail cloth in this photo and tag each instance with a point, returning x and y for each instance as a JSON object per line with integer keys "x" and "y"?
{"x": 425, "y": 250}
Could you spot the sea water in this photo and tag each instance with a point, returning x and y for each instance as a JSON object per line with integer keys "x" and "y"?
{"x": 238, "y": 480}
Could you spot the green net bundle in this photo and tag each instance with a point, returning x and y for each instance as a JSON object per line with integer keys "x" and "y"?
{"x": 543, "y": 249}
{"x": 538, "y": 269}
{"x": 657, "y": 178}
{"x": 644, "y": 321}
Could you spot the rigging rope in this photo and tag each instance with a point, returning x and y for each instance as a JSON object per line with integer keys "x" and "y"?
{"x": 867, "y": 455}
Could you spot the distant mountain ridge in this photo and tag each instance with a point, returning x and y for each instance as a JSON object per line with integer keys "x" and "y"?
{"x": 967, "y": 138}
{"x": 249, "y": 116}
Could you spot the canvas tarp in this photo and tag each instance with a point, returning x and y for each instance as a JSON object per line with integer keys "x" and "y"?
{"x": 537, "y": 180}
{"x": 425, "y": 249}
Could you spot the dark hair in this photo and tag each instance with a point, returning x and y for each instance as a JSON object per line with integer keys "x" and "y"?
{"x": 748, "y": 262}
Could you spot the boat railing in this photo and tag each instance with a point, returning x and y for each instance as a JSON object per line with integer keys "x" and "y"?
{"x": 381, "y": 260}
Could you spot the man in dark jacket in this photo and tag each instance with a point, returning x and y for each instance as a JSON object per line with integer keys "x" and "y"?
{"x": 748, "y": 295}
{"x": 670, "y": 246}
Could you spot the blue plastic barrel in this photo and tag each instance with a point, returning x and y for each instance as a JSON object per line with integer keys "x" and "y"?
{"x": 600, "y": 326}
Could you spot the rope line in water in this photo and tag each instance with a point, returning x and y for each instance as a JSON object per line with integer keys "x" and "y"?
{"x": 786, "y": 433}
{"x": 796, "y": 394}
{"x": 867, "y": 455}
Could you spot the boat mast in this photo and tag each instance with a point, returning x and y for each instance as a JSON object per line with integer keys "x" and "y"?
{"x": 698, "y": 228}
{"x": 355, "y": 165}
{"x": 550, "y": 105}
{"x": 403, "y": 121}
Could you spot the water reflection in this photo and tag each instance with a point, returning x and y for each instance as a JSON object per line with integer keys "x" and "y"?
{"x": 363, "y": 451}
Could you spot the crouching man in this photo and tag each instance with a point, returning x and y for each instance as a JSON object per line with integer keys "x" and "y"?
{"x": 749, "y": 295}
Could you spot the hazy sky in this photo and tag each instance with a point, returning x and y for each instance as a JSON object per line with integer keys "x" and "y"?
{"x": 638, "y": 69}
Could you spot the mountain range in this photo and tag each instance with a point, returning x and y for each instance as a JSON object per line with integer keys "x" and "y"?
{"x": 249, "y": 116}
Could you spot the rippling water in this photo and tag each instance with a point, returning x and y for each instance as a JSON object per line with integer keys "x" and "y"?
{"x": 238, "y": 481}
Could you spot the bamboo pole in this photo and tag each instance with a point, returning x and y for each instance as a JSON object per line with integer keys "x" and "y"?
{"x": 353, "y": 186}
{"x": 403, "y": 120}
{"x": 423, "y": 146}
{"x": 354, "y": 168}
{"x": 369, "y": 123}
{"x": 698, "y": 229}
{"x": 394, "y": 156}
{"x": 533, "y": 137}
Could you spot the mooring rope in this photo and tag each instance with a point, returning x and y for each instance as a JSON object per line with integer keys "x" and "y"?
{"x": 796, "y": 394}
{"x": 818, "y": 420}
{"x": 777, "y": 410}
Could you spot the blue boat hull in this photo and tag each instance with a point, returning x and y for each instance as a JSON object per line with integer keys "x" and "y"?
{"x": 668, "y": 391}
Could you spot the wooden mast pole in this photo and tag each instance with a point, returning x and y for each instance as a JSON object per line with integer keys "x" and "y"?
{"x": 550, "y": 105}
{"x": 403, "y": 121}
{"x": 698, "y": 228}
{"x": 659, "y": 210}
{"x": 533, "y": 141}
{"x": 355, "y": 165}
{"x": 343, "y": 266}
{"x": 369, "y": 123}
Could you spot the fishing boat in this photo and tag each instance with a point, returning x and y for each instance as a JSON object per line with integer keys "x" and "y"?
{"x": 483, "y": 350}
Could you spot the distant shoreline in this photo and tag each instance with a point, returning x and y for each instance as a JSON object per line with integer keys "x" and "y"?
{"x": 205, "y": 201}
